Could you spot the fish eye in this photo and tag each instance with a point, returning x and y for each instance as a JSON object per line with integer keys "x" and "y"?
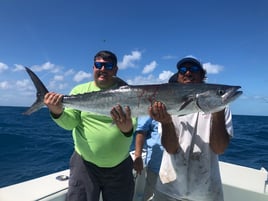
{"x": 221, "y": 92}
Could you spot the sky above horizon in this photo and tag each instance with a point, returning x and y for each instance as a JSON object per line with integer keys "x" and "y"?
{"x": 58, "y": 39}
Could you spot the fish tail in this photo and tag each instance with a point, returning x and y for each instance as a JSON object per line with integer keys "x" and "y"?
{"x": 41, "y": 90}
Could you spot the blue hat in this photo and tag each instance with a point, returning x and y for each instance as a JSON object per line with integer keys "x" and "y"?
{"x": 191, "y": 60}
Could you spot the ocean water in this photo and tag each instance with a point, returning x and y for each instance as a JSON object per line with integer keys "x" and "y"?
{"x": 34, "y": 146}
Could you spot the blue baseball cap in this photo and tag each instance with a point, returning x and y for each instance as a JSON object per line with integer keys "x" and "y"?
{"x": 191, "y": 60}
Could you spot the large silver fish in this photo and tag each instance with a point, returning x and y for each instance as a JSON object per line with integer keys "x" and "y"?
{"x": 180, "y": 99}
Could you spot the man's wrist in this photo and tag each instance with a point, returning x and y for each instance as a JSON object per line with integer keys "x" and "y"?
{"x": 137, "y": 154}
{"x": 55, "y": 116}
{"x": 129, "y": 133}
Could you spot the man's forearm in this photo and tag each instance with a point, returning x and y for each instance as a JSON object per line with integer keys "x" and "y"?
{"x": 169, "y": 138}
{"x": 219, "y": 138}
{"x": 139, "y": 142}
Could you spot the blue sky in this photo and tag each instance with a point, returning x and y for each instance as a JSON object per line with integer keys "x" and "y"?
{"x": 58, "y": 39}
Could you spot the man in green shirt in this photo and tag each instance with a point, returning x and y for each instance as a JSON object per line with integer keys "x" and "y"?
{"x": 101, "y": 162}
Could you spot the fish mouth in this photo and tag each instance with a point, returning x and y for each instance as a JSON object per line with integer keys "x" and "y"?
{"x": 231, "y": 94}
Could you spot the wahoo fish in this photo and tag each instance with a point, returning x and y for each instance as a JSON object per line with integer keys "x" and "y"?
{"x": 180, "y": 99}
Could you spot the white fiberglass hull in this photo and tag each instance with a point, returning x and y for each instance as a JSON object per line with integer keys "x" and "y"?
{"x": 239, "y": 184}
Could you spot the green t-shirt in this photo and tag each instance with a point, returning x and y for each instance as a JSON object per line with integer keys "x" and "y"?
{"x": 96, "y": 138}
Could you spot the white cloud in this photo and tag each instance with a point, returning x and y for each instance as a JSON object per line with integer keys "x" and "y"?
{"x": 58, "y": 77}
{"x": 165, "y": 75}
{"x": 212, "y": 68}
{"x": 69, "y": 72}
{"x": 3, "y": 67}
{"x": 149, "y": 68}
{"x": 46, "y": 66}
{"x": 129, "y": 60}
{"x": 18, "y": 67}
{"x": 23, "y": 84}
{"x": 62, "y": 86}
{"x": 81, "y": 75}
{"x": 151, "y": 79}
{"x": 4, "y": 85}
{"x": 140, "y": 80}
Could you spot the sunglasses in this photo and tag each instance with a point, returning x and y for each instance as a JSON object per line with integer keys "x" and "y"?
{"x": 193, "y": 69}
{"x": 107, "y": 65}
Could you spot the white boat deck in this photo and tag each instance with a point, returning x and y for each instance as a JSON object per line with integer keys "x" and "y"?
{"x": 239, "y": 183}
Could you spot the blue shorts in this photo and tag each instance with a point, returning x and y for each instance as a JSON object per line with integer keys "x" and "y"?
{"x": 87, "y": 181}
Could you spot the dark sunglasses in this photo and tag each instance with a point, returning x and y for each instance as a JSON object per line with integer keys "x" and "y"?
{"x": 107, "y": 65}
{"x": 193, "y": 69}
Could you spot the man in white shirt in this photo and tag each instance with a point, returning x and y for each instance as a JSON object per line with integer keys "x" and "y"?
{"x": 190, "y": 169}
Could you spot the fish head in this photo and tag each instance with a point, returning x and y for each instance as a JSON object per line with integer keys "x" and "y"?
{"x": 217, "y": 97}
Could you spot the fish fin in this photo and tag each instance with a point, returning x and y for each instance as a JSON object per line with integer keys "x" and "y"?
{"x": 41, "y": 90}
{"x": 120, "y": 82}
{"x": 187, "y": 101}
